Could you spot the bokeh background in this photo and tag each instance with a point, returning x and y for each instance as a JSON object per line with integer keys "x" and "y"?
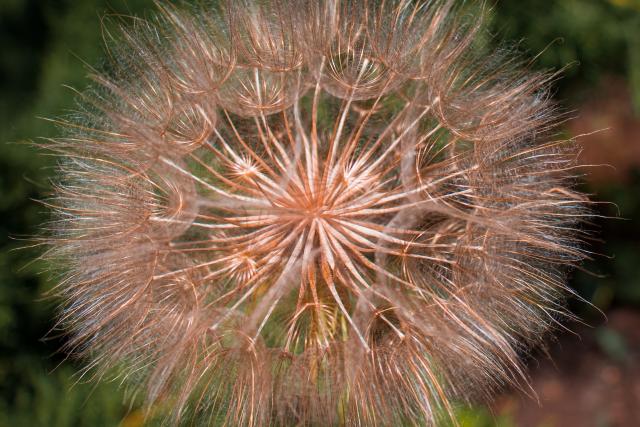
{"x": 589, "y": 375}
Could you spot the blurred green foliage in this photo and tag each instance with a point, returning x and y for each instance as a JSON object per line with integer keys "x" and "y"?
{"x": 591, "y": 38}
{"x": 44, "y": 44}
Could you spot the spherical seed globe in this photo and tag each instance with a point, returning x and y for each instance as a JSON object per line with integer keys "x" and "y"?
{"x": 312, "y": 213}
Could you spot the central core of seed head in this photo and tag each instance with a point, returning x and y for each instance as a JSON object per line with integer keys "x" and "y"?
{"x": 315, "y": 212}
{"x": 307, "y": 203}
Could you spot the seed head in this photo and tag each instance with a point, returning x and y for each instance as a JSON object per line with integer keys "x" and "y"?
{"x": 312, "y": 212}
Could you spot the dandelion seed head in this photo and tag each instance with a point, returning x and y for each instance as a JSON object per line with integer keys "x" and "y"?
{"x": 317, "y": 212}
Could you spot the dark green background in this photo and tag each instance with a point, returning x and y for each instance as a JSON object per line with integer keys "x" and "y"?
{"x": 43, "y": 45}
